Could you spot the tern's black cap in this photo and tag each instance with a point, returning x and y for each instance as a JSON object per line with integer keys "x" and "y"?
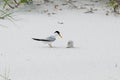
{"x": 57, "y": 32}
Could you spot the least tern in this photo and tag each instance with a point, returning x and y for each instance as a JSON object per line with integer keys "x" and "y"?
{"x": 49, "y": 40}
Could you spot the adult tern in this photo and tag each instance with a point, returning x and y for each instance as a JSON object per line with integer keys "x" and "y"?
{"x": 49, "y": 40}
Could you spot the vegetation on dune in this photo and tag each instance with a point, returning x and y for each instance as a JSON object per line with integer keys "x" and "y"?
{"x": 12, "y": 4}
{"x": 5, "y": 14}
{"x": 115, "y": 5}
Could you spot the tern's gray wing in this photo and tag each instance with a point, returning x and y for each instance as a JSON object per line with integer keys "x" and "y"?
{"x": 48, "y": 39}
{"x": 51, "y": 38}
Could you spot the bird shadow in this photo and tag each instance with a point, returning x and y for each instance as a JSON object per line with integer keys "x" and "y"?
{"x": 59, "y": 47}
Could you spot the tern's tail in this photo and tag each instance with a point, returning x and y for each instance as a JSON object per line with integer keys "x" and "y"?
{"x": 39, "y": 39}
{"x": 36, "y": 39}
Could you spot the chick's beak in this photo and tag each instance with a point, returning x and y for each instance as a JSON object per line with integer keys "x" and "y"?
{"x": 60, "y": 35}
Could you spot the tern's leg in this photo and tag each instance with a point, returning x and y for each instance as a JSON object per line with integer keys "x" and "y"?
{"x": 50, "y": 45}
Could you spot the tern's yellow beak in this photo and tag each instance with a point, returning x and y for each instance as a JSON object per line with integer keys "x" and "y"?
{"x": 60, "y": 35}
